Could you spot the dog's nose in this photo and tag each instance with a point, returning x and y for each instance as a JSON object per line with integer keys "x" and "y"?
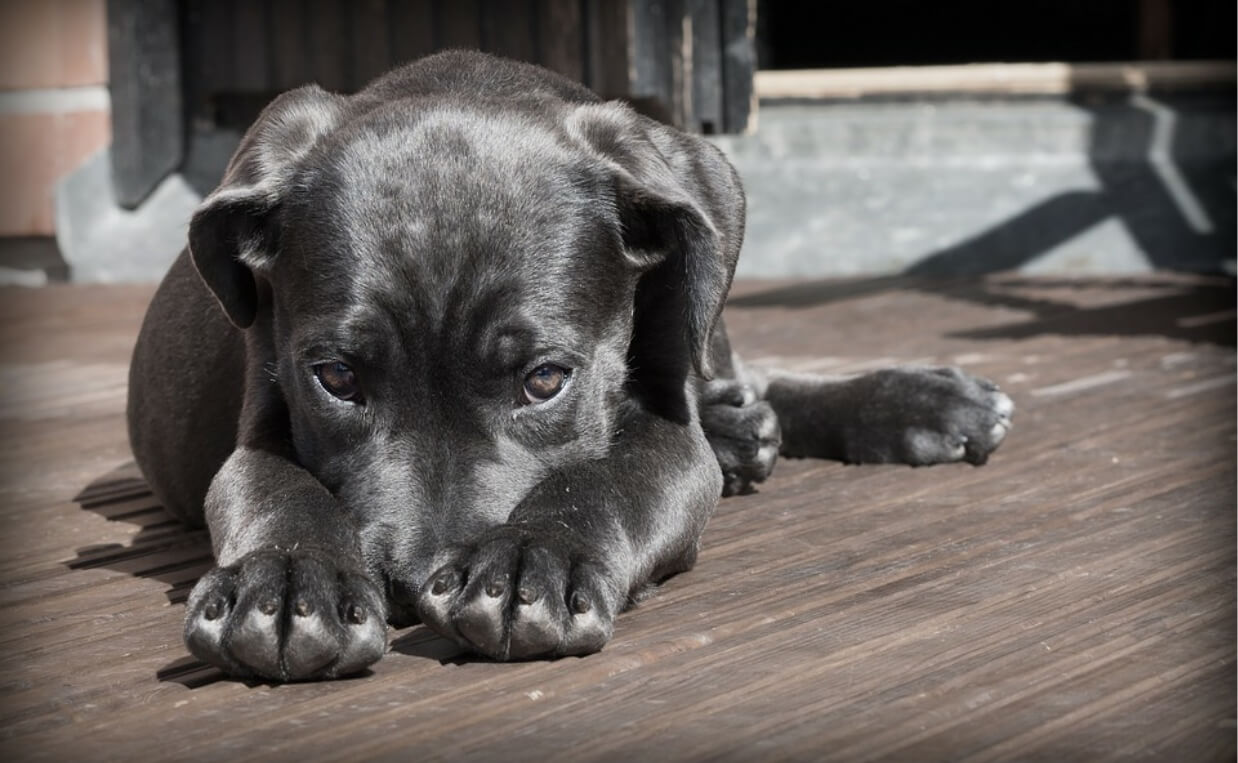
{"x": 401, "y": 603}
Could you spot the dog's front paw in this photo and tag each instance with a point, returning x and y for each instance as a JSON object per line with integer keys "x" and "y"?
{"x": 286, "y": 617}
{"x": 519, "y": 594}
{"x": 743, "y": 433}
{"x": 927, "y": 416}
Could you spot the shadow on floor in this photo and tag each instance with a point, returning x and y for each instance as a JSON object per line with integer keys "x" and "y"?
{"x": 1176, "y": 203}
{"x": 1196, "y": 311}
{"x": 163, "y": 549}
{"x": 1164, "y": 170}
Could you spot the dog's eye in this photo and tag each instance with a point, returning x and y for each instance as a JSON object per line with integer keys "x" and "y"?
{"x": 544, "y": 382}
{"x": 338, "y": 379}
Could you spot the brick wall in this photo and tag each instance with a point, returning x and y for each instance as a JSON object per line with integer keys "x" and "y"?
{"x": 53, "y": 103}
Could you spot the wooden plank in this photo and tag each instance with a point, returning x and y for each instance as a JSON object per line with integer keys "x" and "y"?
{"x": 706, "y": 67}
{"x": 370, "y": 41}
{"x": 509, "y": 28}
{"x": 252, "y": 32}
{"x": 560, "y": 35}
{"x": 330, "y": 43}
{"x": 207, "y": 27}
{"x": 457, "y": 24}
{"x": 609, "y": 32}
{"x": 411, "y": 29}
{"x": 1075, "y": 598}
{"x": 657, "y": 59}
{"x": 739, "y": 64}
{"x": 289, "y": 46}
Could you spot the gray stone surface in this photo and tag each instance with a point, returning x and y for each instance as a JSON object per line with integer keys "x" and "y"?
{"x": 860, "y": 188}
{"x": 957, "y": 186}
{"x": 102, "y": 242}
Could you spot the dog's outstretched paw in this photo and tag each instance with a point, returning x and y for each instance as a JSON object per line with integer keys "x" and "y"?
{"x": 286, "y": 617}
{"x": 743, "y": 432}
{"x": 928, "y": 415}
{"x": 518, "y": 594}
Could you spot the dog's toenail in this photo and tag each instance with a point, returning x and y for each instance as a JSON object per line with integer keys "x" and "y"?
{"x": 441, "y": 584}
{"x": 527, "y": 595}
{"x": 495, "y": 588}
{"x": 211, "y": 611}
{"x": 580, "y": 603}
{"x": 303, "y": 608}
{"x": 356, "y": 614}
{"x": 269, "y": 606}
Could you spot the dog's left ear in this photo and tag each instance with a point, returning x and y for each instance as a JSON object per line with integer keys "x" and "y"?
{"x": 234, "y": 234}
{"x": 681, "y": 211}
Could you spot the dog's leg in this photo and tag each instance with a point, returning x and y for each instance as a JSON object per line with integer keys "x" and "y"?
{"x": 290, "y": 598}
{"x": 552, "y": 578}
{"x": 911, "y": 415}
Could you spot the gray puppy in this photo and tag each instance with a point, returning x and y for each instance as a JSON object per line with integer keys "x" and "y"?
{"x": 448, "y": 350}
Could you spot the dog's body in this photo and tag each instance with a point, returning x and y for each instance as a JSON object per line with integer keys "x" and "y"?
{"x": 460, "y": 372}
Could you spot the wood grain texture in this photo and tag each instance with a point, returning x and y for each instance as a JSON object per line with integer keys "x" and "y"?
{"x": 1072, "y": 600}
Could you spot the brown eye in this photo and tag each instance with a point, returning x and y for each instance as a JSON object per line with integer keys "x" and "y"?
{"x": 544, "y": 382}
{"x": 338, "y": 379}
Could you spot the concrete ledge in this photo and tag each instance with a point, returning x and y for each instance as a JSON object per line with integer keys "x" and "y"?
{"x": 995, "y": 79}
{"x": 1114, "y": 184}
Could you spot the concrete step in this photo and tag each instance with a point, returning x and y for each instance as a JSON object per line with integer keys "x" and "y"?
{"x": 963, "y": 186}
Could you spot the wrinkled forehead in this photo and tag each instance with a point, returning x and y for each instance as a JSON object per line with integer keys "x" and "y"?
{"x": 448, "y": 175}
{"x": 452, "y": 212}
{"x": 442, "y": 184}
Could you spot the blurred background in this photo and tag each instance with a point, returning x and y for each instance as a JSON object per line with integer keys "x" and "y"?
{"x": 882, "y": 137}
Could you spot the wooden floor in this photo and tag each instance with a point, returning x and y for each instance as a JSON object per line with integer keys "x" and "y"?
{"x": 1072, "y": 600}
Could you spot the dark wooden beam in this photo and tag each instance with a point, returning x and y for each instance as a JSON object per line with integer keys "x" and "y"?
{"x": 706, "y": 66}
{"x": 739, "y": 60}
{"x": 148, "y": 139}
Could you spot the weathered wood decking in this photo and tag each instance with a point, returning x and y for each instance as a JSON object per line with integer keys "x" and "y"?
{"x": 1074, "y": 599}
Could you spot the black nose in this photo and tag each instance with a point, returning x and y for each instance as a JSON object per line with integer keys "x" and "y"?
{"x": 401, "y": 604}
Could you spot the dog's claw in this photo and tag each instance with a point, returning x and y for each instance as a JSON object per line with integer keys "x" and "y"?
{"x": 580, "y": 603}
{"x": 443, "y": 582}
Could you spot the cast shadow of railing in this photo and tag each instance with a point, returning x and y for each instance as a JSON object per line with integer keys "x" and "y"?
{"x": 1197, "y": 310}
{"x": 162, "y": 549}
{"x": 1164, "y": 173}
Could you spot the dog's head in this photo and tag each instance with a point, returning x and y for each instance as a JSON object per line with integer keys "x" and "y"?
{"x": 456, "y": 298}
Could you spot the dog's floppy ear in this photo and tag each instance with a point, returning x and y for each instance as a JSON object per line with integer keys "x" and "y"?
{"x": 235, "y": 231}
{"x": 681, "y": 210}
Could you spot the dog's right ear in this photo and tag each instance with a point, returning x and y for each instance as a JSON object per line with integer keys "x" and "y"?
{"x": 234, "y": 234}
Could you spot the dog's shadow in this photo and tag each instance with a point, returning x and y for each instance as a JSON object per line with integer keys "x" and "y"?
{"x": 169, "y": 551}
